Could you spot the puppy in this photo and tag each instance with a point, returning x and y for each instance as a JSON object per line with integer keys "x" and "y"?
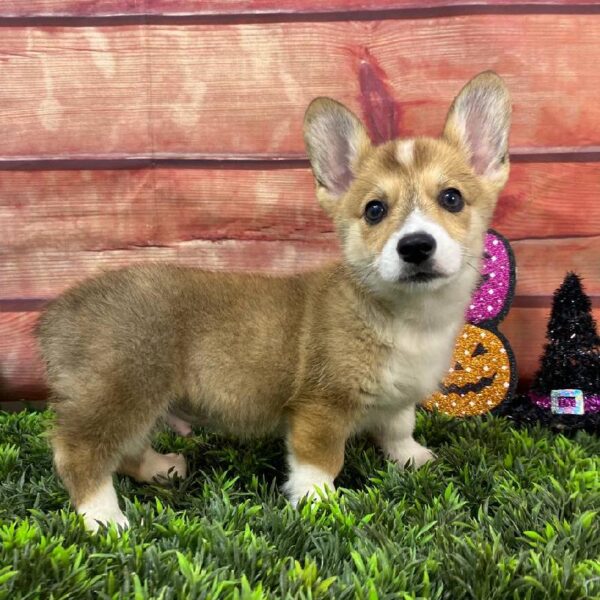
{"x": 315, "y": 357}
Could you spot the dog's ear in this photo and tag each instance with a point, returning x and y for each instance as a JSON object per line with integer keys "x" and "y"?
{"x": 479, "y": 122}
{"x": 335, "y": 142}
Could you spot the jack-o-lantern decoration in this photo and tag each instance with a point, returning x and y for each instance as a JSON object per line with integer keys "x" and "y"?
{"x": 483, "y": 372}
{"x": 480, "y": 376}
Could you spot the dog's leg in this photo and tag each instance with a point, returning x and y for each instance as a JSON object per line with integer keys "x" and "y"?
{"x": 178, "y": 425}
{"x": 316, "y": 442}
{"x": 149, "y": 465}
{"x": 90, "y": 438}
{"x": 394, "y": 435}
{"x": 86, "y": 469}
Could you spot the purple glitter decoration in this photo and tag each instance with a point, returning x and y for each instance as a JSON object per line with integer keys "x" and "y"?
{"x": 491, "y": 296}
{"x": 591, "y": 402}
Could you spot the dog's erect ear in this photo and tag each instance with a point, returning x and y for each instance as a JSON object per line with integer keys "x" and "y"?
{"x": 479, "y": 122}
{"x": 335, "y": 141}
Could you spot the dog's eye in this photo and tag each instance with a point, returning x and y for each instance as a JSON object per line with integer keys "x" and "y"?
{"x": 451, "y": 199}
{"x": 375, "y": 211}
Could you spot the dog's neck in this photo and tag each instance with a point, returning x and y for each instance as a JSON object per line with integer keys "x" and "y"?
{"x": 425, "y": 309}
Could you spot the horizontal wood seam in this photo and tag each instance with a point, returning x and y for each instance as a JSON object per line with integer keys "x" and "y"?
{"x": 274, "y": 15}
{"x": 249, "y": 161}
{"x": 549, "y": 238}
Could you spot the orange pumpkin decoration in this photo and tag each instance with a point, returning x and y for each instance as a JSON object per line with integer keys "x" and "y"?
{"x": 481, "y": 376}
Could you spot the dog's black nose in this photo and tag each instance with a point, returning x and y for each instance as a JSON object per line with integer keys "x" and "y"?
{"x": 416, "y": 248}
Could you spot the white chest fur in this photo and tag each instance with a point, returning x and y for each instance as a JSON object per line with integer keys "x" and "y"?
{"x": 415, "y": 349}
{"x": 414, "y": 363}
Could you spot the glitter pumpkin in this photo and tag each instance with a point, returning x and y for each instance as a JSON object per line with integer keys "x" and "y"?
{"x": 480, "y": 378}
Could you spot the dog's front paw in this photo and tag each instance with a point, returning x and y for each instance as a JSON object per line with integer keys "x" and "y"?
{"x": 102, "y": 508}
{"x": 94, "y": 522}
{"x": 96, "y": 516}
{"x": 411, "y": 453}
{"x": 305, "y": 480}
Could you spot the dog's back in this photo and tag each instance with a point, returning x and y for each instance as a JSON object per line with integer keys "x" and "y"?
{"x": 157, "y": 333}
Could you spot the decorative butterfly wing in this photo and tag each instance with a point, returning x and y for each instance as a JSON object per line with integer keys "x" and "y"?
{"x": 492, "y": 298}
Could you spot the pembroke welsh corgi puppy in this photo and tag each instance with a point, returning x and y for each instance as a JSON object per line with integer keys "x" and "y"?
{"x": 316, "y": 357}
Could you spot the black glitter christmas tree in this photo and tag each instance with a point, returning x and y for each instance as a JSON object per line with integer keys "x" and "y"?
{"x": 571, "y": 357}
{"x": 571, "y": 361}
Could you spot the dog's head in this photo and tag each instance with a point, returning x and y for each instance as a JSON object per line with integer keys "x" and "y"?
{"x": 411, "y": 213}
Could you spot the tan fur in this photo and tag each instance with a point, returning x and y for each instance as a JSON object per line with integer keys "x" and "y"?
{"x": 316, "y": 357}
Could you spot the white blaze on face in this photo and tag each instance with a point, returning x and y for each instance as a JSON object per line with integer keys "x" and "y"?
{"x": 446, "y": 260}
{"x": 405, "y": 151}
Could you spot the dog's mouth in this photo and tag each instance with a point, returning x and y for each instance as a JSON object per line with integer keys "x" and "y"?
{"x": 420, "y": 277}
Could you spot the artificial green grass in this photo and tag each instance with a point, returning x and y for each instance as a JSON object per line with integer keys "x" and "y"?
{"x": 501, "y": 514}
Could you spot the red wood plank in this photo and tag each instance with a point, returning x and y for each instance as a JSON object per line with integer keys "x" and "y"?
{"x": 542, "y": 264}
{"x": 70, "y": 8}
{"x": 61, "y": 225}
{"x": 74, "y": 91}
{"x": 236, "y": 7}
{"x": 37, "y": 273}
{"x": 111, "y": 90}
{"x": 545, "y": 200}
{"x": 21, "y": 372}
{"x": 373, "y": 67}
{"x": 104, "y": 210}
{"x": 76, "y": 8}
{"x": 45, "y": 273}
{"x": 110, "y": 209}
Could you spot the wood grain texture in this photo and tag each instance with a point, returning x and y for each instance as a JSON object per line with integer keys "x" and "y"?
{"x": 374, "y": 66}
{"x": 546, "y": 200}
{"x": 542, "y": 264}
{"x": 74, "y": 91}
{"x": 104, "y": 210}
{"x": 76, "y": 210}
{"x": 22, "y": 378}
{"x": 70, "y": 8}
{"x": 78, "y": 8}
{"x": 158, "y": 90}
{"x": 59, "y": 226}
{"x": 21, "y": 369}
{"x": 46, "y": 273}
{"x": 137, "y": 81}
{"x": 38, "y": 273}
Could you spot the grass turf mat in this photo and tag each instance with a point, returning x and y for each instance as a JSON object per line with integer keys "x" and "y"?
{"x": 501, "y": 514}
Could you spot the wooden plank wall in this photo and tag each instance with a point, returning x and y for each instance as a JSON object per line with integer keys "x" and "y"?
{"x": 138, "y": 130}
